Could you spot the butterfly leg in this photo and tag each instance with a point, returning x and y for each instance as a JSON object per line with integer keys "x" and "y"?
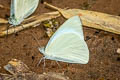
{"x": 39, "y": 62}
{"x": 8, "y": 29}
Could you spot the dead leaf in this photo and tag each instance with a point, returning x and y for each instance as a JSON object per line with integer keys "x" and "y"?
{"x": 20, "y": 71}
{"x": 16, "y": 66}
{"x": 92, "y": 19}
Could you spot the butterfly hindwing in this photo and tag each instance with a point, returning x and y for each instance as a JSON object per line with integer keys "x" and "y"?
{"x": 21, "y": 9}
{"x": 67, "y": 43}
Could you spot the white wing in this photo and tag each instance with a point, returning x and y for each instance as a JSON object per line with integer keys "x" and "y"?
{"x": 67, "y": 44}
{"x": 21, "y": 9}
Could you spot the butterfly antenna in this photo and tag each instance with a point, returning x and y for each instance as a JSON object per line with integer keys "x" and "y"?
{"x": 33, "y": 34}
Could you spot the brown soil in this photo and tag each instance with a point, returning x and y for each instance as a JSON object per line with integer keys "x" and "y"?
{"x": 104, "y": 62}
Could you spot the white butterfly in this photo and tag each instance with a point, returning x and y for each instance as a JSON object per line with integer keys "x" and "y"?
{"x": 21, "y": 9}
{"x": 67, "y": 43}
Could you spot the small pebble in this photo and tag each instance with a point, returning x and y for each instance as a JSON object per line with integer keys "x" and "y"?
{"x": 118, "y": 58}
{"x": 16, "y": 34}
{"x": 118, "y": 50}
{"x": 87, "y": 38}
{"x": 113, "y": 38}
{"x": 24, "y": 45}
{"x": 97, "y": 32}
{"x": 33, "y": 57}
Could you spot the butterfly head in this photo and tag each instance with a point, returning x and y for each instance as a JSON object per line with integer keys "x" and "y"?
{"x": 42, "y": 50}
{"x": 14, "y": 21}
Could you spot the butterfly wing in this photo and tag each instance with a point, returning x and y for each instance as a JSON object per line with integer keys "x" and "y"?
{"x": 21, "y": 9}
{"x": 67, "y": 43}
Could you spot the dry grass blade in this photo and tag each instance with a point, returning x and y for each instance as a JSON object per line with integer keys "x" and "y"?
{"x": 33, "y": 21}
{"x": 20, "y": 71}
{"x": 62, "y": 11}
{"x": 93, "y": 19}
{"x": 3, "y": 21}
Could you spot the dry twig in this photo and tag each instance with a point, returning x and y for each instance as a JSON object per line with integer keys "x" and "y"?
{"x": 29, "y": 22}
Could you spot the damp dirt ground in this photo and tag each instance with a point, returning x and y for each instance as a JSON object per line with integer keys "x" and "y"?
{"x": 104, "y": 63}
